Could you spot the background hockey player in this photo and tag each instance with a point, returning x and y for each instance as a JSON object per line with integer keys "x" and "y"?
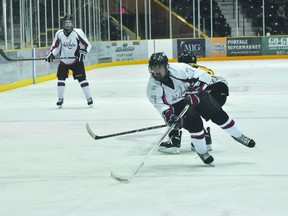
{"x": 70, "y": 42}
{"x": 219, "y": 90}
{"x": 172, "y": 86}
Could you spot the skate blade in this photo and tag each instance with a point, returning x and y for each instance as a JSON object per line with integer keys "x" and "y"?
{"x": 59, "y": 106}
{"x": 211, "y": 165}
{"x": 169, "y": 151}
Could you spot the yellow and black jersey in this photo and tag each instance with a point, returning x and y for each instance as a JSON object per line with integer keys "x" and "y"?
{"x": 203, "y": 68}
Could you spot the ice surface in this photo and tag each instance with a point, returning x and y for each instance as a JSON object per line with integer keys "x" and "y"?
{"x": 50, "y": 166}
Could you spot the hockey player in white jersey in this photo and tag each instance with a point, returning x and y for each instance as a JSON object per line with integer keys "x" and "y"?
{"x": 218, "y": 89}
{"x": 70, "y": 42}
{"x": 172, "y": 86}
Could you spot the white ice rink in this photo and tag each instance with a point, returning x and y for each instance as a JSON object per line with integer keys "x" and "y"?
{"x": 50, "y": 166}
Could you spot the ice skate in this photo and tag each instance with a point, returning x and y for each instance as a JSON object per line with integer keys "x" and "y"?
{"x": 246, "y": 141}
{"x": 207, "y": 158}
{"x": 90, "y": 102}
{"x": 60, "y": 102}
{"x": 171, "y": 146}
{"x": 167, "y": 147}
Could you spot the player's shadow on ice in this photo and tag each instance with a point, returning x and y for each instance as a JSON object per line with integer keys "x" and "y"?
{"x": 193, "y": 166}
{"x": 73, "y": 108}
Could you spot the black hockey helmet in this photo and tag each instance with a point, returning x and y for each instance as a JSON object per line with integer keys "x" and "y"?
{"x": 187, "y": 57}
{"x": 68, "y": 17}
{"x": 158, "y": 58}
{"x": 68, "y": 27}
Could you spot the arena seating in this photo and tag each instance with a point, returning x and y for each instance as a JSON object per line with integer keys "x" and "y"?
{"x": 184, "y": 8}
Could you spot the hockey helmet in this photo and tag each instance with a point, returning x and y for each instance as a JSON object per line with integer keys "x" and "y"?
{"x": 68, "y": 23}
{"x": 187, "y": 57}
{"x": 158, "y": 58}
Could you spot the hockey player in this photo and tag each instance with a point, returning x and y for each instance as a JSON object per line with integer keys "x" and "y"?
{"x": 70, "y": 42}
{"x": 218, "y": 88}
{"x": 172, "y": 86}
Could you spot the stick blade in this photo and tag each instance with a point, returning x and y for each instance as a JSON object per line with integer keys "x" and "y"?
{"x": 94, "y": 136}
{"x": 119, "y": 178}
{"x": 2, "y": 53}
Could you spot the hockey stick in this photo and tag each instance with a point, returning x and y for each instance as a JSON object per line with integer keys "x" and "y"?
{"x": 2, "y": 53}
{"x": 96, "y": 137}
{"x": 128, "y": 179}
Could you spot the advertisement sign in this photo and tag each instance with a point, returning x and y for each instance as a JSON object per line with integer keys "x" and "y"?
{"x": 125, "y": 51}
{"x": 275, "y": 45}
{"x": 197, "y": 46}
{"x": 244, "y": 46}
{"x": 218, "y": 47}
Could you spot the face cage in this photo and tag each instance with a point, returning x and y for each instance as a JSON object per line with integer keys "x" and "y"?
{"x": 151, "y": 70}
{"x": 68, "y": 28}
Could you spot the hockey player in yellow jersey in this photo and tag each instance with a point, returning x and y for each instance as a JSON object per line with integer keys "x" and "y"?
{"x": 218, "y": 86}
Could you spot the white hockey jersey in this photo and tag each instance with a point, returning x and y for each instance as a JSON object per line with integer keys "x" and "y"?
{"x": 66, "y": 46}
{"x": 182, "y": 76}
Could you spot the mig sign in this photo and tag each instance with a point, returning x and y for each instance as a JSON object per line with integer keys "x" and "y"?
{"x": 197, "y": 46}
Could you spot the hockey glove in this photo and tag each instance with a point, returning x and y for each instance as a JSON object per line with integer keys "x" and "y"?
{"x": 196, "y": 88}
{"x": 81, "y": 55}
{"x": 50, "y": 57}
{"x": 192, "y": 99}
{"x": 170, "y": 118}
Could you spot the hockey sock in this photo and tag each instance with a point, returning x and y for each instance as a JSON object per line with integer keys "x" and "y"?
{"x": 199, "y": 142}
{"x": 61, "y": 88}
{"x": 231, "y": 128}
{"x": 86, "y": 88}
